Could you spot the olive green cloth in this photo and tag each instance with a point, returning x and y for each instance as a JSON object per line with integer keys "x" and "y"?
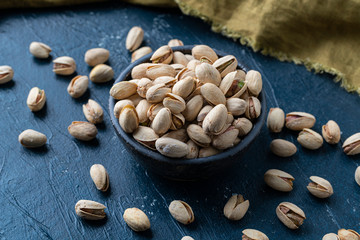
{"x": 322, "y": 35}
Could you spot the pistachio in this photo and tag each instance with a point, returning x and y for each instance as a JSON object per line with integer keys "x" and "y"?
{"x": 245, "y": 94}
{"x": 254, "y": 82}
{"x": 123, "y": 90}
{"x": 39, "y": 50}
{"x": 234, "y": 84}
{"x": 139, "y": 71}
{"x": 178, "y": 67}
{"x": 193, "y": 107}
{"x": 205, "y": 59}
{"x": 226, "y": 65}
{"x": 136, "y": 219}
{"x": 32, "y": 139}
{"x": 283, "y": 148}
{"x": 136, "y": 81}
{"x": 142, "y": 108}
{"x": 180, "y": 135}
{"x": 178, "y": 121}
{"x": 119, "y": 106}
{"x": 181, "y": 211}
{"x": 143, "y": 85}
{"x": 101, "y": 73}
{"x": 193, "y": 150}
{"x": 187, "y": 238}
{"x": 226, "y": 139}
{"x": 236, "y": 207}
{"x": 93, "y": 112}
{"x": 64, "y": 65}
{"x": 175, "y": 43}
{"x": 163, "y": 55}
{"x": 348, "y": 234}
{"x": 198, "y": 135}
{"x": 244, "y": 126}
{"x": 207, "y": 152}
{"x": 84, "y": 131}
{"x": 162, "y": 121}
{"x": 290, "y": 215}
{"x": 140, "y": 53}
{"x": 331, "y": 236}
{"x": 279, "y": 180}
{"x": 203, "y": 50}
{"x": 128, "y": 119}
{"x": 135, "y": 98}
{"x": 171, "y": 147}
{"x": 168, "y": 81}
{"x": 158, "y": 70}
{"x": 253, "y": 109}
{"x": 310, "y": 139}
{"x": 180, "y": 58}
{"x": 78, "y": 86}
{"x": 237, "y": 141}
{"x": 212, "y": 94}
{"x": 207, "y": 73}
{"x": 175, "y": 103}
{"x": 134, "y": 38}
{"x": 331, "y": 132}
{"x": 184, "y": 73}
{"x": 6, "y": 74}
{"x": 157, "y": 93}
{"x": 252, "y": 234}
{"x": 153, "y": 110}
{"x": 320, "y": 187}
{"x": 236, "y": 106}
{"x": 215, "y": 120}
{"x": 203, "y": 112}
{"x": 100, "y": 177}
{"x": 297, "y": 121}
{"x": 351, "y": 145}
{"x": 193, "y": 64}
{"x": 146, "y": 136}
{"x": 90, "y": 210}
{"x": 96, "y": 56}
{"x": 36, "y": 99}
{"x": 275, "y": 120}
{"x": 184, "y": 87}
{"x": 357, "y": 175}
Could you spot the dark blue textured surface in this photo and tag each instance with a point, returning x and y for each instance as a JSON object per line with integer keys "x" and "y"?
{"x": 39, "y": 188}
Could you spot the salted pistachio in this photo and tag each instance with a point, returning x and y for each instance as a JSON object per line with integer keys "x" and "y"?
{"x": 290, "y": 215}
{"x": 158, "y": 70}
{"x": 128, "y": 119}
{"x": 254, "y": 82}
{"x": 32, "y": 139}
{"x": 205, "y": 59}
{"x": 146, "y": 136}
{"x": 6, "y": 74}
{"x": 357, "y": 175}
{"x": 279, "y": 180}
{"x": 198, "y": 135}
{"x": 163, "y": 55}
{"x": 331, "y": 236}
{"x": 184, "y": 87}
{"x": 64, "y": 65}
{"x": 171, "y": 147}
{"x": 96, "y": 56}
{"x": 236, "y": 106}
{"x": 320, "y": 187}
{"x": 189, "y": 57}
{"x": 100, "y": 177}
{"x": 208, "y": 151}
{"x": 184, "y": 73}
{"x": 142, "y": 109}
{"x": 154, "y": 109}
{"x": 177, "y": 121}
{"x": 136, "y": 81}
{"x": 275, "y": 120}
{"x": 282, "y": 148}
{"x": 236, "y": 207}
{"x": 187, "y": 238}
{"x": 245, "y": 94}
{"x": 193, "y": 150}
{"x": 101, "y": 73}
{"x": 207, "y": 73}
{"x": 93, "y": 112}
{"x": 203, "y": 50}
{"x": 226, "y": 65}
{"x": 90, "y": 210}
{"x": 181, "y": 211}
{"x": 175, "y": 103}
{"x": 252, "y": 234}
{"x": 175, "y": 43}
{"x": 123, "y": 90}
{"x": 140, "y": 53}
{"x": 78, "y": 86}
{"x": 167, "y": 80}
{"x": 39, "y": 50}
{"x": 310, "y": 139}
{"x": 193, "y": 64}
{"x": 84, "y": 131}
{"x": 212, "y": 94}
{"x": 135, "y": 98}
{"x": 226, "y": 139}
{"x": 157, "y": 93}
{"x": 36, "y": 99}
{"x": 351, "y": 145}
{"x": 244, "y": 126}
{"x": 233, "y": 84}
{"x": 136, "y": 219}
{"x": 119, "y": 106}
{"x": 162, "y": 121}
{"x": 331, "y": 132}
{"x": 180, "y": 135}
{"x": 348, "y": 234}
{"x": 143, "y": 85}
{"x": 203, "y": 112}
{"x": 180, "y": 58}
{"x": 253, "y": 109}
{"x": 297, "y": 121}
{"x": 193, "y": 107}
{"x": 178, "y": 67}
{"x": 215, "y": 120}
{"x": 134, "y": 38}
{"x": 139, "y": 71}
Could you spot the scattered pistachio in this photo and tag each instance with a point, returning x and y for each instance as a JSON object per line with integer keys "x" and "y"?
{"x": 283, "y": 148}
{"x": 175, "y": 43}
{"x": 84, "y": 131}
{"x": 357, "y": 175}
{"x": 101, "y": 73}
{"x": 297, "y": 121}
{"x": 96, "y": 56}
{"x": 93, "y": 112}
{"x": 331, "y": 236}
{"x": 320, "y": 187}
{"x": 275, "y": 120}
{"x": 78, "y": 86}
{"x": 252, "y": 234}
{"x": 100, "y": 177}
{"x": 181, "y": 211}
{"x": 351, "y": 145}
{"x": 279, "y": 180}
{"x": 90, "y": 210}
{"x": 331, "y": 132}
{"x": 236, "y": 207}
{"x": 39, "y": 50}
{"x": 290, "y": 215}
{"x": 6, "y": 74}
{"x": 134, "y": 38}
{"x": 32, "y": 139}
{"x": 136, "y": 219}
{"x": 310, "y": 139}
{"x": 64, "y": 65}
{"x": 348, "y": 234}
{"x": 36, "y": 99}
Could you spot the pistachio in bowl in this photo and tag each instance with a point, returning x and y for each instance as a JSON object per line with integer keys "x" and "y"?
{"x": 188, "y": 112}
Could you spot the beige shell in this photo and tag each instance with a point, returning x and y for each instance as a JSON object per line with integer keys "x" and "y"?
{"x": 351, "y": 145}
{"x": 357, "y": 175}
{"x": 331, "y": 132}
{"x": 36, "y": 99}
{"x": 215, "y": 120}
{"x": 137, "y": 54}
{"x": 184, "y": 73}
{"x": 119, "y": 106}
{"x": 175, "y": 43}
{"x": 178, "y": 67}
{"x": 96, "y": 56}
{"x": 136, "y": 219}
{"x": 208, "y": 151}
{"x": 64, "y": 65}
{"x": 143, "y": 86}
{"x": 100, "y": 177}
{"x": 146, "y": 136}
{"x": 128, "y": 119}
{"x": 175, "y": 103}
{"x": 158, "y": 70}
{"x": 135, "y": 98}
{"x": 279, "y": 180}
{"x": 157, "y": 93}
{"x": 32, "y": 139}
{"x": 39, "y": 50}
{"x": 254, "y": 82}
{"x": 180, "y": 135}
{"x": 331, "y": 236}
{"x": 198, "y": 135}
{"x": 177, "y": 121}
{"x": 184, "y": 87}
{"x": 234, "y": 84}
{"x": 162, "y": 121}
{"x": 226, "y": 65}
{"x": 320, "y": 187}
{"x": 236, "y": 106}
{"x": 180, "y": 58}
{"x": 203, "y": 112}
{"x": 93, "y": 112}
{"x": 244, "y": 126}
{"x": 348, "y": 234}
{"x": 101, "y": 73}
{"x": 236, "y": 207}
{"x": 297, "y": 121}
{"x": 163, "y": 55}
{"x": 253, "y": 109}
{"x": 142, "y": 109}
{"x": 181, "y": 211}
{"x": 168, "y": 81}
{"x": 78, "y": 86}
{"x": 187, "y": 238}
{"x": 207, "y": 73}
{"x": 134, "y": 38}
{"x": 252, "y": 234}
{"x": 193, "y": 107}
{"x": 6, "y": 74}
{"x": 294, "y": 216}
{"x": 153, "y": 110}
{"x": 193, "y": 64}
{"x": 193, "y": 150}
{"x": 310, "y": 139}
{"x": 83, "y": 131}
{"x": 203, "y": 50}
{"x": 90, "y": 210}
{"x": 171, "y": 147}
{"x": 212, "y": 94}
{"x": 139, "y": 71}
{"x": 123, "y": 90}
{"x": 282, "y": 148}
{"x": 227, "y": 139}
{"x": 275, "y": 120}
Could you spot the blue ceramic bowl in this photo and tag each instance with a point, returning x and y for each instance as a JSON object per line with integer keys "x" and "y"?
{"x": 185, "y": 169}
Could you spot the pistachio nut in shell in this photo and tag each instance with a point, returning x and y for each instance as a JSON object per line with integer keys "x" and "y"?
{"x": 137, "y": 54}
{"x": 180, "y": 135}
{"x": 193, "y": 150}
{"x": 351, "y": 145}
{"x": 297, "y": 121}
{"x": 167, "y": 80}
{"x": 244, "y": 126}
{"x": 203, "y": 50}
{"x": 139, "y": 71}
{"x": 193, "y": 64}
{"x": 208, "y": 151}
{"x": 84, "y": 131}
{"x": 185, "y": 72}
{"x": 123, "y": 90}
{"x": 64, "y": 65}
{"x": 320, "y": 187}
{"x": 134, "y": 38}
{"x": 212, "y": 94}
{"x": 190, "y": 57}
{"x": 90, "y": 210}
{"x": 236, "y": 106}
{"x": 233, "y": 84}
{"x": 290, "y": 215}
{"x": 158, "y": 70}
{"x": 142, "y": 109}
{"x": 143, "y": 85}
{"x": 93, "y": 112}
{"x": 175, "y": 103}
{"x": 178, "y": 121}
{"x": 100, "y": 177}
{"x": 157, "y": 93}
{"x": 136, "y": 219}
{"x": 207, "y": 73}
{"x": 135, "y": 98}
{"x": 236, "y": 207}
{"x": 184, "y": 87}
{"x": 275, "y": 120}
{"x": 36, "y": 99}
{"x": 187, "y": 238}
{"x": 96, "y": 56}
{"x": 162, "y": 121}
{"x": 215, "y": 120}
{"x": 178, "y": 67}
{"x": 282, "y": 148}
{"x": 252, "y": 234}
{"x": 330, "y": 236}
{"x": 348, "y": 234}
{"x": 39, "y": 50}
{"x": 193, "y": 107}
{"x": 119, "y": 106}
{"x": 128, "y": 119}
{"x": 146, "y": 136}
{"x": 225, "y": 65}
{"x": 163, "y": 55}
{"x": 203, "y": 112}
{"x": 6, "y": 74}
{"x": 357, "y": 175}
{"x": 181, "y": 211}
{"x": 101, "y": 73}
{"x": 179, "y": 57}
{"x": 171, "y": 147}
{"x": 198, "y": 135}
{"x": 175, "y": 43}
{"x": 253, "y": 109}
{"x": 254, "y": 82}
{"x": 154, "y": 109}
{"x": 331, "y": 132}
{"x": 32, "y": 139}
{"x": 226, "y": 139}
{"x": 310, "y": 139}
{"x": 78, "y": 86}
{"x": 279, "y": 180}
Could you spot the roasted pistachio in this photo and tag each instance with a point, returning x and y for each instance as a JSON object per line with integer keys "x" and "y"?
{"x": 6, "y": 74}
{"x": 226, "y": 65}
{"x": 180, "y": 58}
{"x": 215, "y": 120}
{"x": 207, "y": 73}
{"x": 134, "y": 38}
{"x": 282, "y": 148}
{"x": 153, "y": 110}
{"x": 157, "y": 93}
{"x": 348, "y": 234}
{"x": 119, "y": 106}
{"x": 158, "y": 70}
{"x": 101, "y": 73}
{"x": 253, "y": 109}
{"x": 167, "y": 80}
{"x": 236, "y": 207}
{"x": 193, "y": 107}
{"x": 39, "y": 50}
{"x": 36, "y": 99}
{"x": 175, "y": 43}
{"x": 252, "y": 234}
{"x": 175, "y": 103}
{"x": 178, "y": 67}
{"x": 123, "y": 90}
{"x": 140, "y": 53}
{"x": 290, "y": 215}
{"x": 90, "y": 210}
{"x": 331, "y": 132}
{"x": 320, "y": 187}
{"x": 193, "y": 150}
{"x": 331, "y": 236}
{"x": 184, "y": 87}
{"x": 279, "y": 180}
{"x": 128, "y": 119}
{"x": 163, "y": 55}
{"x": 254, "y": 82}
{"x": 351, "y": 145}
{"x": 139, "y": 71}
{"x": 64, "y": 65}
{"x": 84, "y": 131}
{"x": 207, "y": 152}
{"x": 234, "y": 84}
{"x": 96, "y": 56}
{"x": 32, "y": 139}
{"x": 184, "y": 73}
{"x": 212, "y": 94}
{"x": 93, "y": 112}
{"x": 275, "y": 120}
{"x": 146, "y": 136}
{"x": 143, "y": 85}
{"x": 100, "y": 177}
{"x": 193, "y": 64}
{"x": 78, "y": 86}
{"x": 180, "y": 135}
{"x": 171, "y": 147}
{"x": 142, "y": 109}
{"x": 202, "y": 50}
{"x": 203, "y": 112}
{"x": 162, "y": 121}
{"x": 178, "y": 121}
{"x": 236, "y": 106}
{"x": 136, "y": 219}
{"x": 310, "y": 139}
{"x": 297, "y": 121}
{"x": 244, "y": 126}
{"x": 226, "y": 139}
{"x": 198, "y": 135}
{"x": 357, "y": 175}
{"x": 135, "y": 98}
{"x": 187, "y": 238}
{"x": 181, "y": 211}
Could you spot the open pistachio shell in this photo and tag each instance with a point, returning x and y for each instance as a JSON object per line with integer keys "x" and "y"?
{"x": 252, "y": 234}
{"x": 233, "y": 84}
{"x": 146, "y": 136}
{"x": 290, "y": 215}
{"x": 212, "y": 94}
{"x": 203, "y": 50}
{"x": 207, "y": 73}
{"x": 297, "y": 121}
{"x": 236, "y": 207}
{"x": 320, "y": 187}
{"x": 279, "y": 180}
{"x": 123, "y": 90}
{"x": 162, "y": 121}
{"x": 226, "y": 64}
{"x": 351, "y": 145}
{"x": 198, "y": 135}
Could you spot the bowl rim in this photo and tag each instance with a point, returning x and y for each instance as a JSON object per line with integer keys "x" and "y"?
{"x": 230, "y": 152}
